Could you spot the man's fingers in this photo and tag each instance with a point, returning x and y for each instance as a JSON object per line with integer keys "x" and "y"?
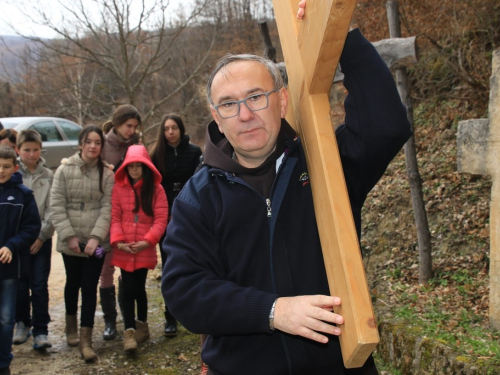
{"x": 321, "y": 314}
{"x": 308, "y": 316}
{"x": 301, "y": 11}
{"x": 325, "y": 301}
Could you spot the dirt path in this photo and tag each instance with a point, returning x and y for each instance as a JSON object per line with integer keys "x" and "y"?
{"x": 159, "y": 355}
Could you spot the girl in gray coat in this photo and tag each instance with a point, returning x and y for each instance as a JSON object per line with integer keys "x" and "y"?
{"x": 81, "y": 212}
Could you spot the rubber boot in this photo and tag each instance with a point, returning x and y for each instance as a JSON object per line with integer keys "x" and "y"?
{"x": 129, "y": 342}
{"x": 88, "y": 352}
{"x": 170, "y": 324}
{"x": 108, "y": 305}
{"x": 71, "y": 330}
{"x": 141, "y": 332}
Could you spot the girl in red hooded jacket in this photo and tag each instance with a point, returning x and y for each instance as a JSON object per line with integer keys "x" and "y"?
{"x": 138, "y": 220}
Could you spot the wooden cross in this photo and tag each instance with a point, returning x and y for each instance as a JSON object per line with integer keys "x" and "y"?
{"x": 312, "y": 49}
{"x": 478, "y": 152}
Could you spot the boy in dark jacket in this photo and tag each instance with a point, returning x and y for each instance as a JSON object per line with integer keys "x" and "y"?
{"x": 19, "y": 228}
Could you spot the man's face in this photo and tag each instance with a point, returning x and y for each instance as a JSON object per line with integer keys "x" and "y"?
{"x": 252, "y": 134}
{"x": 7, "y": 169}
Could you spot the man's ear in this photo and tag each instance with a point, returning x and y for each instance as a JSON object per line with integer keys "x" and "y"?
{"x": 284, "y": 101}
{"x": 17, "y": 150}
{"x": 214, "y": 113}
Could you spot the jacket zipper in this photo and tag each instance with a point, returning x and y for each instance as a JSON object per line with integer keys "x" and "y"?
{"x": 269, "y": 210}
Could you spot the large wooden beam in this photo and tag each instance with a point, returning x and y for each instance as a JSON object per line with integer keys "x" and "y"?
{"x": 312, "y": 49}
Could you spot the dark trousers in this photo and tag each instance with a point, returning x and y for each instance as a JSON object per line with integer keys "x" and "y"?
{"x": 163, "y": 254}
{"x": 134, "y": 292}
{"x": 37, "y": 283}
{"x": 8, "y": 294}
{"x": 82, "y": 273}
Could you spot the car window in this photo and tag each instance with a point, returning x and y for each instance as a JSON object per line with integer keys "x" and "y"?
{"x": 71, "y": 130}
{"x": 8, "y": 124}
{"x": 47, "y": 130}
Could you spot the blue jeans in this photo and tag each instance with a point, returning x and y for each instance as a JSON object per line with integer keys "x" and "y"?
{"x": 37, "y": 282}
{"x": 8, "y": 294}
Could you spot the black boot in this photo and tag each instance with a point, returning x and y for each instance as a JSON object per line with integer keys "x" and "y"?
{"x": 108, "y": 304}
{"x": 170, "y": 324}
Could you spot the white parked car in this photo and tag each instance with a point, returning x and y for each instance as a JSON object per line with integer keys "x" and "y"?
{"x": 59, "y": 136}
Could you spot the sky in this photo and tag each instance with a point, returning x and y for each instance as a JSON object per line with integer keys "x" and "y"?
{"x": 10, "y": 14}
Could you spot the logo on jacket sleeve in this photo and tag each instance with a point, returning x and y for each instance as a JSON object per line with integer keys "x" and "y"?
{"x": 11, "y": 198}
{"x": 304, "y": 178}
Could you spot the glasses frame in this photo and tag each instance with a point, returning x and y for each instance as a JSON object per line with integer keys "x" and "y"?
{"x": 244, "y": 101}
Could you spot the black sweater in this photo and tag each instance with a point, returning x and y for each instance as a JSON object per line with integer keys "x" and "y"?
{"x": 231, "y": 253}
{"x": 179, "y": 165}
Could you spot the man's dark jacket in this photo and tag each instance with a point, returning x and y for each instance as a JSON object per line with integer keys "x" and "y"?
{"x": 231, "y": 253}
{"x": 19, "y": 226}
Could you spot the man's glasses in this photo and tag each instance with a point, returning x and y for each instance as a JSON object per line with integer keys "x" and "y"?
{"x": 254, "y": 103}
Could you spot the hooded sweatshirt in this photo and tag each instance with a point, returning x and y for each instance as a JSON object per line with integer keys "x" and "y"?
{"x": 128, "y": 226}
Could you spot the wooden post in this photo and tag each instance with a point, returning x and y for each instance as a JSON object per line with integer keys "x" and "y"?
{"x": 312, "y": 49}
{"x": 478, "y": 152}
{"x": 417, "y": 195}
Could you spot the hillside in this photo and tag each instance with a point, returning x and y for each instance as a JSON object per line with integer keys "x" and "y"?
{"x": 453, "y": 307}
{"x": 10, "y": 48}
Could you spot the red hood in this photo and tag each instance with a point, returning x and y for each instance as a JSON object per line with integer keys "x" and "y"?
{"x": 136, "y": 154}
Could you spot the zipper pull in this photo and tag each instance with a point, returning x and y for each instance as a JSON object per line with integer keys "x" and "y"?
{"x": 136, "y": 218}
{"x": 268, "y": 202}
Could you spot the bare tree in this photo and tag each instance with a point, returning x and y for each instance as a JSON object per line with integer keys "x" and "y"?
{"x": 110, "y": 52}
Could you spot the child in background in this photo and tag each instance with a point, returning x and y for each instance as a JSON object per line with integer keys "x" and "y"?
{"x": 8, "y": 137}
{"x": 138, "y": 220}
{"x": 80, "y": 202}
{"x": 19, "y": 228}
{"x": 38, "y": 178}
{"x": 121, "y": 131}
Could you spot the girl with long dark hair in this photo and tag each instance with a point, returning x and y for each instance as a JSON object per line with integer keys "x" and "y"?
{"x": 121, "y": 131}
{"x": 138, "y": 220}
{"x": 80, "y": 202}
{"x": 176, "y": 159}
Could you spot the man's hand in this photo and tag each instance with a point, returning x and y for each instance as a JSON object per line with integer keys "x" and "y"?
{"x": 91, "y": 246}
{"x": 74, "y": 244}
{"x": 5, "y": 255}
{"x": 307, "y": 316}
{"x": 301, "y": 11}
{"x": 35, "y": 248}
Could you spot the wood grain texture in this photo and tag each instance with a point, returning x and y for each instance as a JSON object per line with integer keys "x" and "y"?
{"x": 312, "y": 49}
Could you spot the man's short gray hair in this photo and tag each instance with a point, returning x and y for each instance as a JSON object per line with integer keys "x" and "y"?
{"x": 271, "y": 67}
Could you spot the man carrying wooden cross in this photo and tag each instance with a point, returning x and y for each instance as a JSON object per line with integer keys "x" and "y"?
{"x": 244, "y": 260}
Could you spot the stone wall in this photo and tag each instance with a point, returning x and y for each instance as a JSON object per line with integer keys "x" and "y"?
{"x": 407, "y": 350}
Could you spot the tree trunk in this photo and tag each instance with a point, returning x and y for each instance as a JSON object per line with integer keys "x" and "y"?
{"x": 270, "y": 51}
{"x": 423, "y": 233}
